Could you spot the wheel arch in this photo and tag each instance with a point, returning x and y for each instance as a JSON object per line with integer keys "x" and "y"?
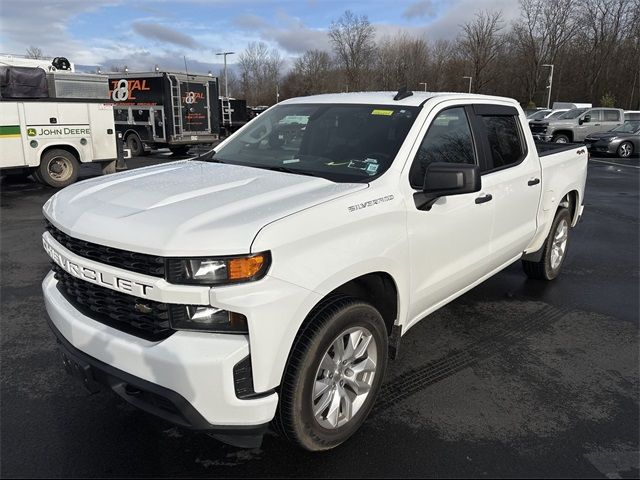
{"x": 568, "y": 133}
{"x": 61, "y": 146}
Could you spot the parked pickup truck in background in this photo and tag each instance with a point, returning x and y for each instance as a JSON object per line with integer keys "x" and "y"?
{"x": 576, "y": 124}
{"x": 271, "y": 283}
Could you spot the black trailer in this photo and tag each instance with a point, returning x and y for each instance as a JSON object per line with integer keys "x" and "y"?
{"x": 165, "y": 109}
{"x": 233, "y": 114}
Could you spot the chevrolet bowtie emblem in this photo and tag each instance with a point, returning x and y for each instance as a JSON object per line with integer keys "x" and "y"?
{"x": 142, "y": 308}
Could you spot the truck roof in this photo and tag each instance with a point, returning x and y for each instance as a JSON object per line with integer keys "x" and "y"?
{"x": 386, "y": 98}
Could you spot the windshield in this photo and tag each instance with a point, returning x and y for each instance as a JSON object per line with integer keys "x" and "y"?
{"x": 557, "y": 114}
{"x": 342, "y": 143}
{"x": 627, "y": 127}
{"x": 539, "y": 115}
{"x": 575, "y": 113}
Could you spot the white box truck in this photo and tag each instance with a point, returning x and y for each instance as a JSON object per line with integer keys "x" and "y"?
{"x": 49, "y": 125}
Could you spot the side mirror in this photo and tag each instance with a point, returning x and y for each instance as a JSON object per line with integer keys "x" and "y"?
{"x": 444, "y": 179}
{"x": 585, "y": 119}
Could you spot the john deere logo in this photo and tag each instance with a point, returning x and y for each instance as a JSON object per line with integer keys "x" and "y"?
{"x": 31, "y": 132}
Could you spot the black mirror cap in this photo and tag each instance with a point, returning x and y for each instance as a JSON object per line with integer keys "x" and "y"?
{"x": 451, "y": 179}
{"x": 442, "y": 179}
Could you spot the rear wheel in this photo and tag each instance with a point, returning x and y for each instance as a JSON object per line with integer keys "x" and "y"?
{"x": 560, "y": 138}
{"x": 58, "y": 168}
{"x": 625, "y": 149}
{"x": 134, "y": 144}
{"x": 333, "y": 375}
{"x": 555, "y": 249}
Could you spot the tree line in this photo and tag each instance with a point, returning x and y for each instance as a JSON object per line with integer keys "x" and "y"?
{"x": 594, "y": 46}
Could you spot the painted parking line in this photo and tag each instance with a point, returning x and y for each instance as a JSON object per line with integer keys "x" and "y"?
{"x": 613, "y": 163}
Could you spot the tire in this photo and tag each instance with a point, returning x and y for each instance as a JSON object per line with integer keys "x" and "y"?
{"x": 181, "y": 150}
{"x": 134, "y": 144}
{"x": 313, "y": 350}
{"x": 550, "y": 264}
{"x": 560, "y": 138}
{"x": 625, "y": 150}
{"x": 109, "y": 167}
{"x": 58, "y": 168}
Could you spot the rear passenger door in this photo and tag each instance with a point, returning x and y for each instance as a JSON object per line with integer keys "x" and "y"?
{"x": 512, "y": 176}
{"x": 611, "y": 118}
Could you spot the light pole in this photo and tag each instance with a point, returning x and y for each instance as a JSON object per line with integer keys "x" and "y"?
{"x": 277, "y": 94}
{"x": 425, "y": 85}
{"x": 550, "y": 83}
{"x": 470, "y": 80}
{"x": 226, "y": 84}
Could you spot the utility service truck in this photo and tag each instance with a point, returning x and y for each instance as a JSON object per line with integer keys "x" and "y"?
{"x": 164, "y": 109}
{"x": 271, "y": 283}
{"x": 53, "y": 121}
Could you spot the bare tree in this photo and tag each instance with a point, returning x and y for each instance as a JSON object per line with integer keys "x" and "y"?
{"x": 481, "y": 43}
{"x": 34, "y": 52}
{"x": 401, "y": 61}
{"x": 260, "y": 72}
{"x": 352, "y": 37}
{"x": 543, "y": 30}
{"x": 605, "y": 23}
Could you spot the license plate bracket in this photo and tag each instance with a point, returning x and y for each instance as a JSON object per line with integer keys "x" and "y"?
{"x": 78, "y": 369}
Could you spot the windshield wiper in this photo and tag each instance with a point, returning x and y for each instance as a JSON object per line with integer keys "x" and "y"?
{"x": 287, "y": 170}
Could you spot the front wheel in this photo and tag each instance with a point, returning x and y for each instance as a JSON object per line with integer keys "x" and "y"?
{"x": 333, "y": 375}
{"x": 555, "y": 249}
{"x": 560, "y": 138}
{"x": 58, "y": 168}
{"x": 625, "y": 149}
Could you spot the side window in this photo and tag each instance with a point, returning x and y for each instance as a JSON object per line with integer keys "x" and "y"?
{"x": 610, "y": 116}
{"x": 504, "y": 139}
{"x": 447, "y": 140}
{"x": 596, "y": 115}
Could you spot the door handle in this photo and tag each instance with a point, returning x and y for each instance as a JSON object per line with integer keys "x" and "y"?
{"x": 533, "y": 181}
{"x": 484, "y": 199}
{"x": 596, "y": 124}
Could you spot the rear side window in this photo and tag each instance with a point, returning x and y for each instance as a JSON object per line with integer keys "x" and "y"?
{"x": 447, "y": 140}
{"x": 504, "y": 139}
{"x": 610, "y": 116}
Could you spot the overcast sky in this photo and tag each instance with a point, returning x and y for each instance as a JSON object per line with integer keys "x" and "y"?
{"x": 140, "y": 34}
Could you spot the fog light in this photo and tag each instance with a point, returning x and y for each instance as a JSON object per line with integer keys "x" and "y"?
{"x": 211, "y": 319}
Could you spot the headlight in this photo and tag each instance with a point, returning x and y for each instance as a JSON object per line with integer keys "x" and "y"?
{"x": 218, "y": 270}
{"x": 207, "y": 318}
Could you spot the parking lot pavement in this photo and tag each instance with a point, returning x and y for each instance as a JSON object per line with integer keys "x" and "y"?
{"x": 515, "y": 378}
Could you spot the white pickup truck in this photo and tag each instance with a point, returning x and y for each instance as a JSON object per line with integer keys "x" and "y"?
{"x": 271, "y": 283}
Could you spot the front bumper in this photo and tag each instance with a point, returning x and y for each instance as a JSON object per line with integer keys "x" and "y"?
{"x": 599, "y": 146}
{"x": 193, "y": 371}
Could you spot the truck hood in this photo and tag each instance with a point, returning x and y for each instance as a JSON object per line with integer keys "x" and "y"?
{"x": 187, "y": 208}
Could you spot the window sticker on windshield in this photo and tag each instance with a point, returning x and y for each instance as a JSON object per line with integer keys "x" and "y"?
{"x": 386, "y": 113}
{"x": 357, "y": 164}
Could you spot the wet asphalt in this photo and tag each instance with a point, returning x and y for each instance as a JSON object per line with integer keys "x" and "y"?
{"x": 517, "y": 378}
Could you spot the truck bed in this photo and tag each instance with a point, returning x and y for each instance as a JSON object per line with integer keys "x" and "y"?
{"x": 549, "y": 148}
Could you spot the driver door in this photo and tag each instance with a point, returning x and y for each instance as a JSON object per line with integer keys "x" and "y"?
{"x": 449, "y": 245}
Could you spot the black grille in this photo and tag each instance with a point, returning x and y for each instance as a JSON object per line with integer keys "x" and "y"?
{"x": 117, "y": 309}
{"x": 538, "y": 128}
{"x": 132, "y": 261}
